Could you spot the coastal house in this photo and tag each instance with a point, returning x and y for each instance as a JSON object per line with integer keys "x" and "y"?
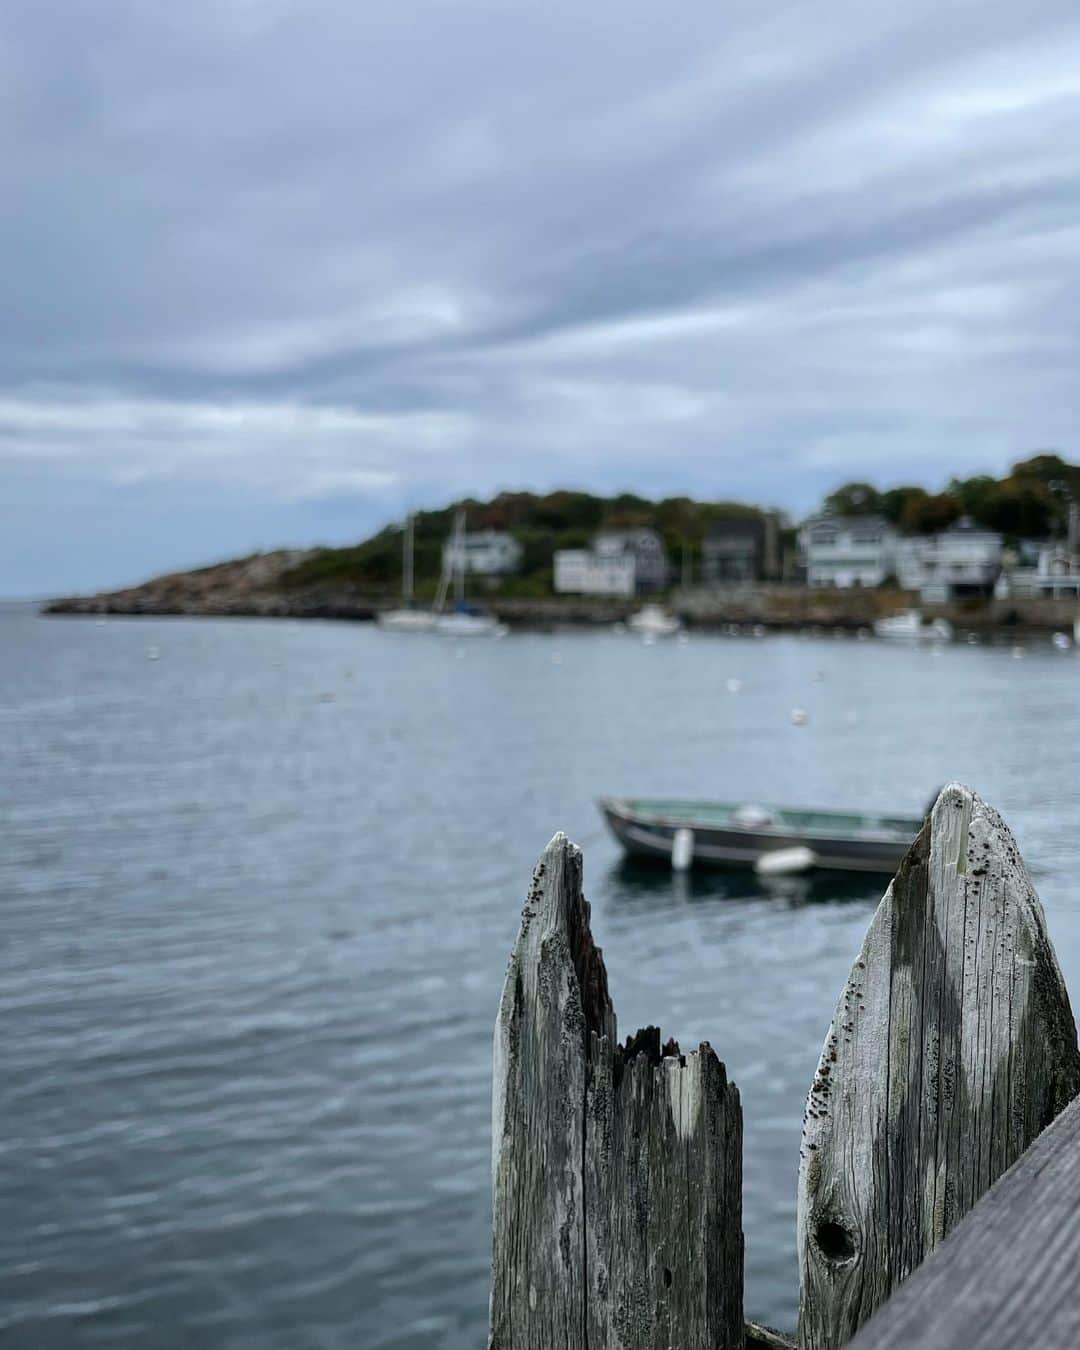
{"x": 582, "y": 571}
{"x": 487, "y": 552}
{"x": 846, "y": 551}
{"x": 1052, "y": 570}
{"x": 646, "y": 548}
{"x": 964, "y": 559}
{"x": 742, "y": 548}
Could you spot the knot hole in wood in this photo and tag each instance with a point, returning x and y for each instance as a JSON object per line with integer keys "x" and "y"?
{"x": 834, "y": 1241}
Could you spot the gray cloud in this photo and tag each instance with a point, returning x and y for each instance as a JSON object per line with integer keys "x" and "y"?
{"x": 271, "y": 272}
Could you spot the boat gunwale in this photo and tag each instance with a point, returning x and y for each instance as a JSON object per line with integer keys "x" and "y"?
{"x": 612, "y": 804}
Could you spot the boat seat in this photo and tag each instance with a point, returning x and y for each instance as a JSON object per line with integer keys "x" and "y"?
{"x": 752, "y": 817}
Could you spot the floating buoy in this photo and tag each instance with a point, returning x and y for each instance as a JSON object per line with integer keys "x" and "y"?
{"x": 799, "y": 717}
{"x": 784, "y": 862}
{"x": 153, "y": 653}
{"x": 734, "y": 685}
{"x": 1062, "y": 641}
{"x": 759, "y": 630}
{"x": 1017, "y": 652}
{"x": 682, "y": 849}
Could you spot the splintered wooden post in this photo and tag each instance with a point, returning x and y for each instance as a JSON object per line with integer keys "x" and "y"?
{"x": 663, "y": 1198}
{"x": 951, "y": 1048}
{"x": 554, "y": 998}
{"x": 617, "y": 1170}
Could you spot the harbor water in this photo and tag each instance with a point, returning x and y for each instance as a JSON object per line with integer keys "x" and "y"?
{"x": 259, "y": 881}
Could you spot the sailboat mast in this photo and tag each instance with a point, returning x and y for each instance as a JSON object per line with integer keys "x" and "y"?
{"x": 407, "y": 562}
{"x": 459, "y": 588}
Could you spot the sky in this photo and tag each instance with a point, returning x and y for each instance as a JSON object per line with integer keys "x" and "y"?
{"x": 275, "y": 273}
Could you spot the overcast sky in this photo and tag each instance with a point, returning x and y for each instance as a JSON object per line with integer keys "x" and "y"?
{"x": 273, "y": 273}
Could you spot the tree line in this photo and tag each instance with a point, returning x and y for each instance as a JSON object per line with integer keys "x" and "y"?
{"x": 1030, "y": 501}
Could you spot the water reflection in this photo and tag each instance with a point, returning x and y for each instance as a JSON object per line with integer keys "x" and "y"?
{"x": 633, "y": 880}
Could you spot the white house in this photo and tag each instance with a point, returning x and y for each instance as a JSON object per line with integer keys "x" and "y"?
{"x": 491, "y": 552}
{"x": 848, "y": 551}
{"x": 964, "y": 559}
{"x": 1056, "y": 574}
{"x": 580, "y": 571}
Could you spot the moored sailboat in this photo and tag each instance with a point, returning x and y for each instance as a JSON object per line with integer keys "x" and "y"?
{"x": 407, "y": 618}
{"x": 464, "y": 620}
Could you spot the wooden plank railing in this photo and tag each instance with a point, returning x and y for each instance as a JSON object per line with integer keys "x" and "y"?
{"x": 1006, "y": 1277}
{"x": 617, "y": 1168}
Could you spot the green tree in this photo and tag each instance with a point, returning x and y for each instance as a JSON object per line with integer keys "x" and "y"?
{"x": 853, "y": 499}
{"x": 928, "y": 513}
{"x": 894, "y": 502}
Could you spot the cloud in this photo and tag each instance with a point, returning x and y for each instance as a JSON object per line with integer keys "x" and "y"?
{"x": 340, "y": 260}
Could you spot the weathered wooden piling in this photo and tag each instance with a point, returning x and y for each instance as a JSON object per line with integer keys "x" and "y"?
{"x": 952, "y": 1047}
{"x": 617, "y": 1170}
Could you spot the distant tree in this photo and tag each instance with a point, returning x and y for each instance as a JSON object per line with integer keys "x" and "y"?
{"x": 894, "y": 501}
{"x": 1046, "y": 467}
{"x": 853, "y": 499}
{"x": 974, "y": 495}
{"x": 927, "y": 513}
{"x": 1022, "y": 509}
{"x": 567, "y": 511}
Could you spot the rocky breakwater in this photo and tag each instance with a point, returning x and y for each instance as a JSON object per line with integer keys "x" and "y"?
{"x": 788, "y": 606}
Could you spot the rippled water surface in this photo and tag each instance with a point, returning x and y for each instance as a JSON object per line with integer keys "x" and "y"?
{"x": 257, "y": 899}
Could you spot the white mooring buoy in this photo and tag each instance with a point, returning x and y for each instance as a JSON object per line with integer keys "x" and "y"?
{"x": 682, "y": 850}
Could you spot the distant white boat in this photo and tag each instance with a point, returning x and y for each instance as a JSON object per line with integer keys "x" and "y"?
{"x": 407, "y": 619}
{"x": 467, "y": 623}
{"x": 654, "y": 621}
{"x": 908, "y": 626}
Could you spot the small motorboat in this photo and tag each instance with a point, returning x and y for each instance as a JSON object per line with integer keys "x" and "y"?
{"x": 908, "y": 626}
{"x": 653, "y": 621}
{"x": 771, "y": 839}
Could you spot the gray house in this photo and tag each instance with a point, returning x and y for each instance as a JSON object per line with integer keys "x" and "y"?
{"x": 742, "y": 548}
{"x": 647, "y": 549}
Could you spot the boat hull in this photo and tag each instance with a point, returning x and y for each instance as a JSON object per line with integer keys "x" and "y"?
{"x": 406, "y": 620}
{"x": 470, "y": 626}
{"x": 743, "y": 846}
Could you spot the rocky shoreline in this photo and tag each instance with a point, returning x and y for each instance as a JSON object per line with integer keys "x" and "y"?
{"x": 253, "y": 588}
